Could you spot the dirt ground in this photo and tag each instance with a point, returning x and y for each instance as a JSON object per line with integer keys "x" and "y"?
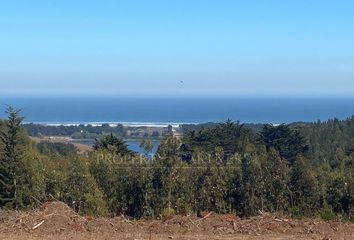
{"x": 55, "y": 220}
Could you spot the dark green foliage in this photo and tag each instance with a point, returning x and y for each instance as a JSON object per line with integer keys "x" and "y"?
{"x": 186, "y": 128}
{"x": 81, "y": 191}
{"x": 125, "y": 181}
{"x": 210, "y": 188}
{"x": 252, "y": 179}
{"x": 304, "y": 189}
{"x": 227, "y": 135}
{"x": 329, "y": 140}
{"x": 250, "y": 185}
{"x": 89, "y": 131}
{"x": 165, "y": 173}
{"x": 113, "y": 144}
{"x": 327, "y": 214}
{"x": 288, "y": 142}
{"x": 194, "y": 174}
{"x": 275, "y": 177}
{"x": 20, "y": 169}
{"x": 338, "y": 195}
{"x": 76, "y": 131}
{"x": 298, "y": 169}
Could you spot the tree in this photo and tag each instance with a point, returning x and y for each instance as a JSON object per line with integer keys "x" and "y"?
{"x": 228, "y": 136}
{"x": 125, "y": 184}
{"x": 14, "y": 176}
{"x": 165, "y": 172}
{"x": 146, "y": 145}
{"x": 132, "y": 190}
{"x": 304, "y": 190}
{"x": 82, "y": 192}
{"x": 338, "y": 196}
{"x": 275, "y": 174}
{"x": 288, "y": 142}
{"x": 210, "y": 185}
{"x": 250, "y": 183}
{"x": 112, "y": 143}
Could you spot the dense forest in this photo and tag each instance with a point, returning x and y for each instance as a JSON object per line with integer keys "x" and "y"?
{"x": 303, "y": 170}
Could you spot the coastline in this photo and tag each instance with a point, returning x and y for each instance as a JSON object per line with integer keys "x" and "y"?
{"x": 113, "y": 124}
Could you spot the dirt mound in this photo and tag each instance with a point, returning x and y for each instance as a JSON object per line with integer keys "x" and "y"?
{"x": 56, "y": 220}
{"x": 52, "y": 217}
{"x": 231, "y": 225}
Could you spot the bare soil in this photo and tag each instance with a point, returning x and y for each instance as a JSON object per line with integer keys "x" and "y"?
{"x": 55, "y": 220}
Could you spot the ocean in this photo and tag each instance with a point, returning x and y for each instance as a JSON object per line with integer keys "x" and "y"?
{"x": 174, "y": 111}
{"x": 162, "y": 111}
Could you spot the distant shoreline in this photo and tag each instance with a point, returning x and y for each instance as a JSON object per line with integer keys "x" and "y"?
{"x": 113, "y": 124}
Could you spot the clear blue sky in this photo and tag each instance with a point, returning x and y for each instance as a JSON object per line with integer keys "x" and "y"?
{"x": 214, "y": 47}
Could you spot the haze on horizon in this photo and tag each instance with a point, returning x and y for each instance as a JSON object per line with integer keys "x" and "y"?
{"x": 177, "y": 47}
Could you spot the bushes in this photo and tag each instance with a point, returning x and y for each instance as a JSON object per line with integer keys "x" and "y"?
{"x": 167, "y": 214}
{"x": 224, "y": 170}
{"x": 81, "y": 191}
{"x": 328, "y": 215}
{"x": 256, "y": 179}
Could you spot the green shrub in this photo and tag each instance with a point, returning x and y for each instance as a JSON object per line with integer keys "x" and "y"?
{"x": 167, "y": 214}
{"x": 327, "y": 215}
{"x": 295, "y": 212}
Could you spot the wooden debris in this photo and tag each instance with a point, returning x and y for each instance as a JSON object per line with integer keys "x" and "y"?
{"x": 127, "y": 220}
{"x": 205, "y": 217}
{"x": 38, "y": 225}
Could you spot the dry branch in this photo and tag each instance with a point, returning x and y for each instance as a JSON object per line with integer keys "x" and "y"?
{"x": 38, "y": 225}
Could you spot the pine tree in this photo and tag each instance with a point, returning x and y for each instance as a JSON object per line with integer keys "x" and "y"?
{"x": 14, "y": 176}
{"x": 288, "y": 142}
{"x": 113, "y": 144}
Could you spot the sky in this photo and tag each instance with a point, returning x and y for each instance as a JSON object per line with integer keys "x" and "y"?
{"x": 177, "y": 47}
